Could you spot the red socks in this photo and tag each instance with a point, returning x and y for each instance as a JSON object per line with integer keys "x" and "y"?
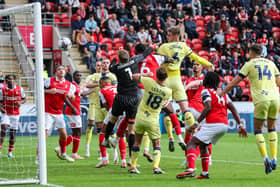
{"x": 69, "y": 140}
{"x": 122, "y": 148}
{"x": 210, "y": 149}
{"x": 102, "y": 148}
{"x": 191, "y": 157}
{"x": 62, "y": 144}
{"x": 11, "y": 148}
{"x": 76, "y": 143}
{"x": 122, "y": 128}
{"x": 176, "y": 124}
{"x": 205, "y": 162}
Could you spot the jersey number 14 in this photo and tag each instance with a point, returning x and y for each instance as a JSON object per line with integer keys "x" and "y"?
{"x": 264, "y": 72}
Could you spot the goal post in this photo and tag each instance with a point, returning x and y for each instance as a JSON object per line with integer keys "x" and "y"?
{"x": 38, "y": 91}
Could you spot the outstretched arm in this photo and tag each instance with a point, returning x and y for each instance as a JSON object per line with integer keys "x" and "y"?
{"x": 193, "y": 84}
{"x": 231, "y": 85}
{"x": 200, "y": 60}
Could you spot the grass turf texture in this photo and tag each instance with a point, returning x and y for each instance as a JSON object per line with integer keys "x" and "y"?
{"x": 236, "y": 162}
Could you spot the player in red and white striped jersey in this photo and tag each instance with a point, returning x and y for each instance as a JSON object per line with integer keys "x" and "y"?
{"x": 11, "y": 97}
{"x": 73, "y": 116}
{"x": 57, "y": 89}
{"x": 107, "y": 95}
{"x": 215, "y": 126}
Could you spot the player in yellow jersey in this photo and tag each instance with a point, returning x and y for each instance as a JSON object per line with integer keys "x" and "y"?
{"x": 96, "y": 113}
{"x": 178, "y": 51}
{"x": 264, "y": 78}
{"x": 156, "y": 96}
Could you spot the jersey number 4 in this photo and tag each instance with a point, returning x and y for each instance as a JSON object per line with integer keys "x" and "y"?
{"x": 264, "y": 72}
{"x": 154, "y": 101}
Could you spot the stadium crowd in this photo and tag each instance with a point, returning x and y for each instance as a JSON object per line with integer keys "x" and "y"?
{"x": 220, "y": 31}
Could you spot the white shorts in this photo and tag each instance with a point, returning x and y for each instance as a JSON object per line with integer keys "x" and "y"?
{"x": 74, "y": 121}
{"x": 211, "y": 132}
{"x": 54, "y": 121}
{"x": 194, "y": 112}
{"x": 11, "y": 120}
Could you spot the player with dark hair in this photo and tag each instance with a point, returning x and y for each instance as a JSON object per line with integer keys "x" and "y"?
{"x": 264, "y": 78}
{"x": 11, "y": 97}
{"x": 73, "y": 116}
{"x": 156, "y": 96}
{"x": 57, "y": 89}
{"x": 127, "y": 98}
{"x": 215, "y": 126}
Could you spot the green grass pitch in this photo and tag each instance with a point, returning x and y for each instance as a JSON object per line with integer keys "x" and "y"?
{"x": 236, "y": 162}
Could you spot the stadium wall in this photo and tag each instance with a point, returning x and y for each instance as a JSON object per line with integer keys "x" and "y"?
{"x": 28, "y": 125}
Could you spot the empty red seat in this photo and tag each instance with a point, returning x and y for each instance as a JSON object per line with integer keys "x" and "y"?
{"x": 117, "y": 40}
{"x": 84, "y": 4}
{"x": 196, "y": 44}
{"x": 118, "y": 46}
{"x": 65, "y": 19}
{"x": 106, "y": 40}
{"x": 112, "y": 53}
{"x": 207, "y": 18}
{"x": 203, "y": 53}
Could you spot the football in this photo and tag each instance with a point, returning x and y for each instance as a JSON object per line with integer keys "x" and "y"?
{"x": 64, "y": 43}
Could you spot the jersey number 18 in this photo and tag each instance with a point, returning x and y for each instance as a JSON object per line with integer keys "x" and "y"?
{"x": 154, "y": 101}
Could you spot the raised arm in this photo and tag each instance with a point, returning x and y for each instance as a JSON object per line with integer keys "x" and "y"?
{"x": 200, "y": 60}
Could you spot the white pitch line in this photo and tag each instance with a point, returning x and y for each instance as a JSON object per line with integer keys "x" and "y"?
{"x": 223, "y": 161}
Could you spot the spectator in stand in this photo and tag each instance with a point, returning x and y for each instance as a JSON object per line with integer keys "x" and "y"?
{"x": 74, "y": 5}
{"x": 216, "y": 5}
{"x": 129, "y": 4}
{"x": 169, "y": 12}
{"x": 82, "y": 11}
{"x": 254, "y": 38}
{"x": 131, "y": 38}
{"x": 278, "y": 4}
{"x": 229, "y": 38}
{"x": 77, "y": 26}
{"x": 247, "y": 5}
{"x": 148, "y": 23}
{"x": 274, "y": 13}
{"x": 136, "y": 23}
{"x": 235, "y": 64}
{"x": 272, "y": 49}
{"x": 256, "y": 12}
{"x": 47, "y": 14}
{"x": 263, "y": 39}
{"x": 257, "y": 2}
{"x": 90, "y": 24}
{"x": 91, "y": 49}
{"x": 170, "y": 21}
{"x": 97, "y": 35}
{"x": 159, "y": 11}
{"x": 212, "y": 26}
{"x": 233, "y": 17}
{"x": 89, "y": 11}
{"x": 143, "y": 36}
{"x": 161, "y": 27}
{"x": 95, "y": 3}
{"x": 187, "y": 5}
{"x": 145, "y": 11}
{"x": 270, "y": 3}
{"x": 196, "y": 8}
{"x": 267, "y": 26}
{"x": 241, "y": 53}
{"x": 62, "y": 5}
{"x": 219, "y": 39}
{"x": 133, "y": 12}
{"x": 179, "y": 13}
{"x": 223, "y": 23}
{"x": 264, "y": 51}
{"x": 227, "y": 51}
{"x": 224, "y": 11}
{"x": 122, "y": 14}
{"x": 183, "y": 35}
{"x": 226, "y": 66}
{"x": 256, "y": 26}
{"x": 82, "y": 39}
{"x": 217, "y": 64}
{"x": 109, "y": 4}
{"x": 114, "y": 27}
{"x": 206, "y": 7}
{"x": 190, "y": 28}
{"x": 102, "y": 13}
{"x": 208, "y": 41}
{"x": 155, "y": 38}
{"x": 244, "y": 37}
{"x": 243, "y": 16}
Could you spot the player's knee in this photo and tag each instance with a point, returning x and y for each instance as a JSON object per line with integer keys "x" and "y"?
{"x": 257, "y": 132}
{"x": 189, "y": 118}
{"x": 135, "y": 149}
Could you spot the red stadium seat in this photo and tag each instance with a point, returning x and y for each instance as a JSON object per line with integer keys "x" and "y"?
{"x": 235, "y": 33}
{"x": 118, "y": 46}
{"x": 242, "y": 84}
{"x": 198, "y": 17}
{"x": 275, "y": 29}
{"x": 199, "y": 20}
{"x": 205, "y": 56}
{"x": 196, "y": 44}
{"x": 207, "y": 19}
{"x": 212, "y": 53}
{"x": 117, "y": 40}
{"x": 84, "y": 4}
{"x": 203, "y": 53}
{"x": 188, "y": 42}
{"x": 202, "y": 34}
{"x": 112, "y": 53}
{"x": 104, "y": 54}
{"x": 202, "y": 28}
{"x": 57, "y": 19}
{"x": 107, "y": 40}
{"x": 124, "y": 28}
{"x": 228, "y": 78}
{"x": 65, "y": 20}
{"x": 52, "y": 5}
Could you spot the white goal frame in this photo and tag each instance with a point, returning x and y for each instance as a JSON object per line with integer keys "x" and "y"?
{"x": 40, "y": 104}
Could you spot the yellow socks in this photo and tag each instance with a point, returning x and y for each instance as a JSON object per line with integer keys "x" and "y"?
{"x": 189, "y": 119}
{"x": 168, "y": 127}
{"x": 156, "y": 156}
{"x": 273, "y": 141}
{"x": 261, "y": 145}
{"x": 134, "y": 156}
{"x": 89, "y": 134}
